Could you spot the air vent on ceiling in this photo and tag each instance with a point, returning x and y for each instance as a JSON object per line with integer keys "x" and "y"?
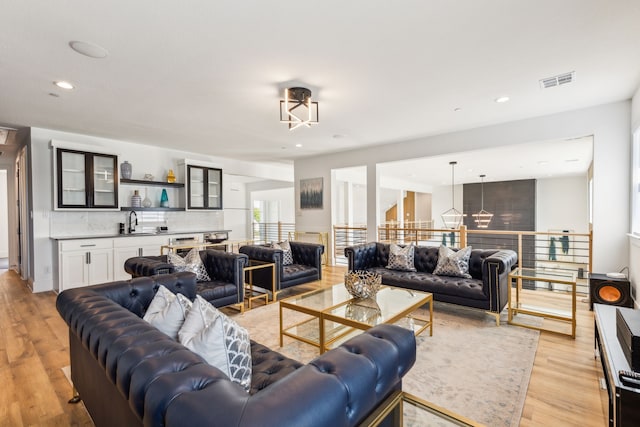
{"x": 560, "y": 79}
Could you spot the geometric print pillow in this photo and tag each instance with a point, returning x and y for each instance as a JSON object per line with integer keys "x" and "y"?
{"x": 287, "y": 255}
{"x": 451, "y": 263}
{"x": 401, "y": 258}
{"x": 219, "y": 340}
{"x": 192, "y": 262}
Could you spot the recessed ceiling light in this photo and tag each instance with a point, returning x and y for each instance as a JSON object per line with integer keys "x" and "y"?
{"x": 571, "y": 160}
{"x": 63, "y": 85}
{"x": 502, "y": 99}
{"x": 298, "y": 145}
{"x": 89, "y": 49}
{"x": 543, "y": 162}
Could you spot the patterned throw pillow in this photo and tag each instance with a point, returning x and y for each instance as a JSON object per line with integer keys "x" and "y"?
{"x": 452, "y": 263}
{"x": 287, "y": 255}
{"x": 192, "y": 262}
{"x": 401, "y": 258}
{"x": 167, "y": 311}
{"x": 219, "y": 340}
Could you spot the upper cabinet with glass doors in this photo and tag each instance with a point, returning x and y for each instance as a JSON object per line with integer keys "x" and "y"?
{"x": 86, "y": 180}
{"x": 205, "y": 187}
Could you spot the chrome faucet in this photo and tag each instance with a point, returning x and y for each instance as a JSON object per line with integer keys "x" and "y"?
{"x": 132, "y": 226}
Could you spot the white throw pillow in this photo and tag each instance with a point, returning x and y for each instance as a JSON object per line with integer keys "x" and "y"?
{"x": 167, "y": 311}
{"x": 287, "y": 255}
{"x": 401, "y": 258}
{"x": 191, "y": 262}
{"x": 219, "y": 340}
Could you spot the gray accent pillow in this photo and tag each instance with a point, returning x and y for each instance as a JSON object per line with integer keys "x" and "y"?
{"x": 401, "y": 258}
{"x": 167, "y": 311}
{"x": 192, "y": 262}
{"x": 287, "y": 255}
{"x": 219, "y": 340}
{"x": 452, "y": 263}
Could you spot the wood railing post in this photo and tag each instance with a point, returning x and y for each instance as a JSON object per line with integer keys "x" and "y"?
{"x": 463, "y": 236}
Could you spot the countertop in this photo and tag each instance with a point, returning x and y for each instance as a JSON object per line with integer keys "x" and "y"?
{"x": 111, "y": 236}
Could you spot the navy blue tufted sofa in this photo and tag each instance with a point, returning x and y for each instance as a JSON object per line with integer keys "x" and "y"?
{"x": 306, "y": 267}
{"x": 487, "y": 289}
{"x": 128, "y": 373}
{"x": 225, "y": 270}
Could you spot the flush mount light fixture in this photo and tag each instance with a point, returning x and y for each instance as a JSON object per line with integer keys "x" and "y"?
{"x": 63, "y": 84}
{"x": 297, "y": 109}
{"x": 482, "y": 218}
{"x": 453, "y": 217}
{"x": 89, "y": 49}
{"x": 502, "y": 99}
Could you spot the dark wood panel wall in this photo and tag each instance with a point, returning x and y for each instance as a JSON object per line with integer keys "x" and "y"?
{"x": 513, "y": 205}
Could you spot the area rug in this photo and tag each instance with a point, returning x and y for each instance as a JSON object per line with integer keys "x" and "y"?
{"x": 469, "y": 366}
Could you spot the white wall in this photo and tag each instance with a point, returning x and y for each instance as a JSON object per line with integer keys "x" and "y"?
{"x": 237, "y": 210}
{"x": 609, "y": 124}
{"x": 144, "y": 159}
{"x": 4, "y": 216}
{"x": 562, "y": 204}
{"x": 285, "y": 201}
{"x": 634, "y": 249}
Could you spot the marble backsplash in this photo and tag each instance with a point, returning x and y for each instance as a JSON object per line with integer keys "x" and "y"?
{"x": 88, "y": 223}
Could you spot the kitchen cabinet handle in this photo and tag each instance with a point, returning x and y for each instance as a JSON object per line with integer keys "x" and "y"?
{"x": 87, "y": 257}
{"x": 87, "y": 246}
{"x": 139, "y": 251}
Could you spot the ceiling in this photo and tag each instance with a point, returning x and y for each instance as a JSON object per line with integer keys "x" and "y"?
{"x": 208, "y": 77}
{"x": 536, "y": 160}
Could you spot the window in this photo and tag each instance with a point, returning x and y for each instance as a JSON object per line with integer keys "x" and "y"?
{"x": 635, "y": 185}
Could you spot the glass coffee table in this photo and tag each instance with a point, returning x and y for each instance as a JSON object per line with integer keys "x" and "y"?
{"x": 333, "y": 315}
{"x": 407, "y": 410}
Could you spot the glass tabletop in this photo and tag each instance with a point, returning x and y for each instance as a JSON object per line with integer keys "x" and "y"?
{"x": 320, "y": 299}
{"x": 385, "y": 306}
{"x": 545, "y": 275}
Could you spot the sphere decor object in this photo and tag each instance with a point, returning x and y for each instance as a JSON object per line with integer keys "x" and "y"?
{"x": 362, "y": 284}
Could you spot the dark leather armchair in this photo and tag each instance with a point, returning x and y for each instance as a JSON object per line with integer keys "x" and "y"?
{"x": 306, "y": 267}
{"x": 225, "y": 270}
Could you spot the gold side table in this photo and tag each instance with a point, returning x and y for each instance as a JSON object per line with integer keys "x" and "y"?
{"x": 518, "y": 307}
{"x": 248, "y": 284}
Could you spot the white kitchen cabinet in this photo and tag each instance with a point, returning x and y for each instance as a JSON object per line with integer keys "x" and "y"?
{"x": 84, "y": 262}
{"x": 129, "y": 247}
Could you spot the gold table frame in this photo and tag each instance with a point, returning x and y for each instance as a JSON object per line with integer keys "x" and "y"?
{"x": 248, "y": 285}
{"x": 394, "y": 406}
{"x": 514, "y": 308}
{"x": 323, "y": 315}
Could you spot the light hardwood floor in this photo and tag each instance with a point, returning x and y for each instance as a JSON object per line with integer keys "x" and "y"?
{"x": 563, "y": 390}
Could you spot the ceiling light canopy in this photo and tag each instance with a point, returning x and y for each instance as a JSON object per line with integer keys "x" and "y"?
{"x": 297, "y": 109}
{"x": 453, "y": 217}
{"x": 89, "y": 49}
{"x": 482, "y": 218}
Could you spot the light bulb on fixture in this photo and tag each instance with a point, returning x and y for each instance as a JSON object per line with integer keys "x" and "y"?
{"x": 297, "y": 109}
{"x": 482, "y": 218}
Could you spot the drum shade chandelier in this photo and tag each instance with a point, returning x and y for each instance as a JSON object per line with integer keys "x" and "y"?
{"x": 297, "y": 109}
{"x": 482, "y": 218}
{"x": 453, "y": 217}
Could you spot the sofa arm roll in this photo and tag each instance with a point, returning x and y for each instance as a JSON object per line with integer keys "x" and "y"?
{"x": 505, "y": 260}
{"x": 361, "y": 256}
{"x": 339, "y": 388}
{"x": 148, "y": 266}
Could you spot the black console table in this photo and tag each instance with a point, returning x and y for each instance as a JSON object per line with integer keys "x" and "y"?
{"x": 624, "y": 402}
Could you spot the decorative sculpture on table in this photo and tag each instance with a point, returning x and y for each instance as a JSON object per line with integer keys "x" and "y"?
{"x": 362, "y": 284}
